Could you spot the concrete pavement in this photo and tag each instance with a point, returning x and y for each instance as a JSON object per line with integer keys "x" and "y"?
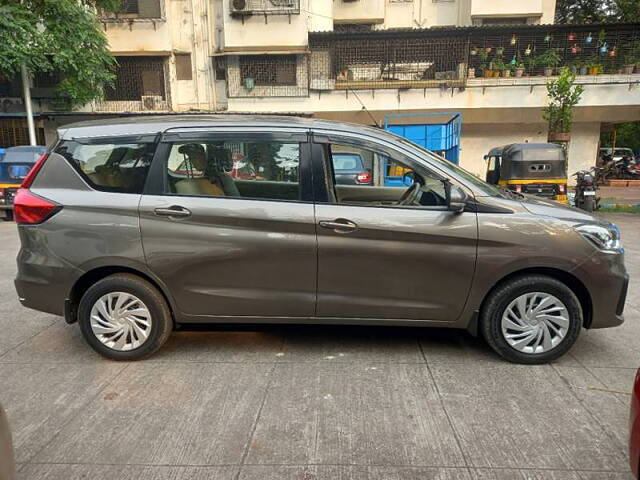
{"x": 315, "y": 402}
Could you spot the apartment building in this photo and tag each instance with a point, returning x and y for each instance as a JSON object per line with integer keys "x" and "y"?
{"x": 469, "y": 73}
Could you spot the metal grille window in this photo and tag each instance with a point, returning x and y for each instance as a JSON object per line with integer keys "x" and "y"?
{"x": 268, "y": 70}
{"x": 132, "y": 9}
{"x": 266, "y": 7}
{"x": 137, "y": 77}
{"x": 14, "y": 132}
{"x": 384, "y": 61}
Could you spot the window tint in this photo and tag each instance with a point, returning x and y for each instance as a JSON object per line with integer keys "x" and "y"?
{"x": 110, "y": 167}
{"x": 267, "y": 170}
{"x": 368, "y": 178}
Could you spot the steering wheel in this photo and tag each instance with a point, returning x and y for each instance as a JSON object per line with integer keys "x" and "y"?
{"x": 411, "y": 194}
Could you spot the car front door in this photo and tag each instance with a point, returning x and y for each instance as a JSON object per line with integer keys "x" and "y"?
{"x": 228, "y": 246}
{"x": 381, "y": 260}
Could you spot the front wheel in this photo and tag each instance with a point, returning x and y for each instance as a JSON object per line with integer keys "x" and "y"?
{"x": 124, "y": 317}
{"x": 531, "y": 319}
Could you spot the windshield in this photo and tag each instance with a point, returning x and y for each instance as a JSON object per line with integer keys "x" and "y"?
{"x": 489, "y": 190}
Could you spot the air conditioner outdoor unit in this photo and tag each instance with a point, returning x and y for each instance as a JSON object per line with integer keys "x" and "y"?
{"x": 152, "y": 102}
{"x": 239, "y": 6}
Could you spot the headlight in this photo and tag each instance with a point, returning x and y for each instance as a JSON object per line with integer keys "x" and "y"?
{"x": 605, "y": 238}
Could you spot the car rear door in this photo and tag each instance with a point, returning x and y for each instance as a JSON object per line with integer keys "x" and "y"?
{"x": 381, "y": 261}
{"x": 247, "y": 252}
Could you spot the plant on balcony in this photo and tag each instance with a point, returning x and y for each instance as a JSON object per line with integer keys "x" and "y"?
{"x": 564, "y": 95}
{"x": 30, "y": 30}
{"x": 486, "y": 68}
{"x": 549, "y": 60}
{"x": 631, "y": 58}
{"x": 499, "y": 66}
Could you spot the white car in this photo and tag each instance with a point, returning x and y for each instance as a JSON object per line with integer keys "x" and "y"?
{"x": 618, "y": 152}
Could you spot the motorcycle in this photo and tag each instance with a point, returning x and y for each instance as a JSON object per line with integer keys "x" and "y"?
{"x": 628, "y": 168}
{"x": 585, "y": 189}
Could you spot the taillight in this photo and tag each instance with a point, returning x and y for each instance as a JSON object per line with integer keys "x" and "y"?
{"x": 562, "y": 188}
{"x": 30, "y": 209}
{"x": 517, "y": 188}
{"x": 364, "y": 177}
{"x": 28, "y": 180}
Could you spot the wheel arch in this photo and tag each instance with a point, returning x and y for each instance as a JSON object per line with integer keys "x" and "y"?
{"x": 571, "y": 281}
{"x": 96, "y": 274}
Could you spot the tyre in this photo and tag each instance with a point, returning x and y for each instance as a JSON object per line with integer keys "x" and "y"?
{"x": 589, "y": 204}
{"x": 531, "y": 319}
{"x": 124, "y": 317}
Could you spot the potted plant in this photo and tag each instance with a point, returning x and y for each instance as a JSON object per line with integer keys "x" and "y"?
{"x": 484, "y": 56}
{"x": 595, "y": 68}
{"x": 563, "y": 97}
{"x": 519, "y": 69}
{"x": 549, "y": 60}
{"x": 631, "y": 57}
{"x": 498, "y": 66}
{"x": 583, "y": 68}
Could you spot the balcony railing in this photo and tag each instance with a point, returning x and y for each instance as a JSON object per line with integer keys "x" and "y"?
{"x": 452, "y": 56}
{"x": 132, "y": 10}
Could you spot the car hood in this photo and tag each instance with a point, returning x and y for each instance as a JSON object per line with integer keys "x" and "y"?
{"x": 549, "y": 208}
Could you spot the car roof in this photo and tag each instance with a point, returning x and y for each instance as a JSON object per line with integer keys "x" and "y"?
{"x": 151, "y": 125}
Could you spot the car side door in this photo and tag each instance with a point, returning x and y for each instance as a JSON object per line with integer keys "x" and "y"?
{"x": 381, "y": 260}
{"x": 226, "y": 246}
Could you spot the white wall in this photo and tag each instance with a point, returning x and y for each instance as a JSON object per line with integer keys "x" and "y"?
{"x": 478, "y": 139}
{"x": 583, "y": 148}
{"x": 505, "y": 8}
{"x": 362, "y": 11}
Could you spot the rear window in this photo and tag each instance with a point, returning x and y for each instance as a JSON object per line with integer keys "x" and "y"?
{"x": 111, "y": 167}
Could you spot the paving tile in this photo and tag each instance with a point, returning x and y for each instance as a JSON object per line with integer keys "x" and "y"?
{"x": 337, "y": 344}
{"x": 59, "y": 343}
{"x": 608, "y": 408}
{"x": 167, "y": 414}
{"x": 524, "y": 474}
{"x": 343, "y": 472}
{"x": 116, "y": 472}
{"x": 225, "y": 346}
{"x": 18, "y": 325}
{"x": 611, "y": 347}
{"x": 40, "y": 399}
{"x": 606, "y": 476}
{"x": 520, "y": 416}
{"x": 377, "y": 414}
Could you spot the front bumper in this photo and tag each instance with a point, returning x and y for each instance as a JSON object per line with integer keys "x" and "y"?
{"x": 607, "y": 281}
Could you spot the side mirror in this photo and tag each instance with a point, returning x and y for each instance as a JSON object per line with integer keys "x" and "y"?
{"x": 456, "y": 197}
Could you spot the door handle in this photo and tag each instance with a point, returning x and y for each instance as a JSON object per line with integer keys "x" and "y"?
{"x": 340, "y": 225}
{"x": 173, "y": 211}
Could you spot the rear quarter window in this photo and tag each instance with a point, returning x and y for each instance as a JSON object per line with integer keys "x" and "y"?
{"x": 110, "y": 167}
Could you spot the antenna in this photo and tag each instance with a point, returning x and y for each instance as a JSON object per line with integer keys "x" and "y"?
{"x": 365, "y": 108}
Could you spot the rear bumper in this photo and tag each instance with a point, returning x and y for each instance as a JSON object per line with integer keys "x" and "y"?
{"x": 44, "y": 280}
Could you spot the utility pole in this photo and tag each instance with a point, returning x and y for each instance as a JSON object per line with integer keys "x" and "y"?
{"x": 27, "y": 104}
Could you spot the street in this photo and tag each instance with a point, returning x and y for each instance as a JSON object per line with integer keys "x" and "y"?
{"x": 321, "y": 402}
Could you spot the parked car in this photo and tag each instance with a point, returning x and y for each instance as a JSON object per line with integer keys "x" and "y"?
{"x": 14, "y": 167}
{"x": 7, "y": 461}
{"x": 349, "y": 169}
{"x": 113, "y": 240}
{"x": 634, "y": 427}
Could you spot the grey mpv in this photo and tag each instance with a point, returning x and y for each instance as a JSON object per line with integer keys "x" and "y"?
{"x": 132, "y": 226}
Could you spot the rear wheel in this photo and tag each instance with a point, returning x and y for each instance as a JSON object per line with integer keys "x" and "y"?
{"x": 531, "y": 319}
{"x": 124, "y": 317}
{"x": 589, "y": 203}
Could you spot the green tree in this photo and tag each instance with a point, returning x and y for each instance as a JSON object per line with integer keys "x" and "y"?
{"x": 61, "y": 36}
{"x": 594, "y": 11}
{"x": 563, "y": 96}
{"x": 627, "y": 135}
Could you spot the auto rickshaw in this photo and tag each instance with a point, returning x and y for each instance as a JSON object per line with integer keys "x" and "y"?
{"x": 15, "y": 164}
{"x": 533, "y": 168}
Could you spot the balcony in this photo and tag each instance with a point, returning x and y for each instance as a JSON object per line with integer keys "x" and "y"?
{"x": 267, "y": 76}
{"x": 135, "y": 11}
{"x": 472, "y": 56}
